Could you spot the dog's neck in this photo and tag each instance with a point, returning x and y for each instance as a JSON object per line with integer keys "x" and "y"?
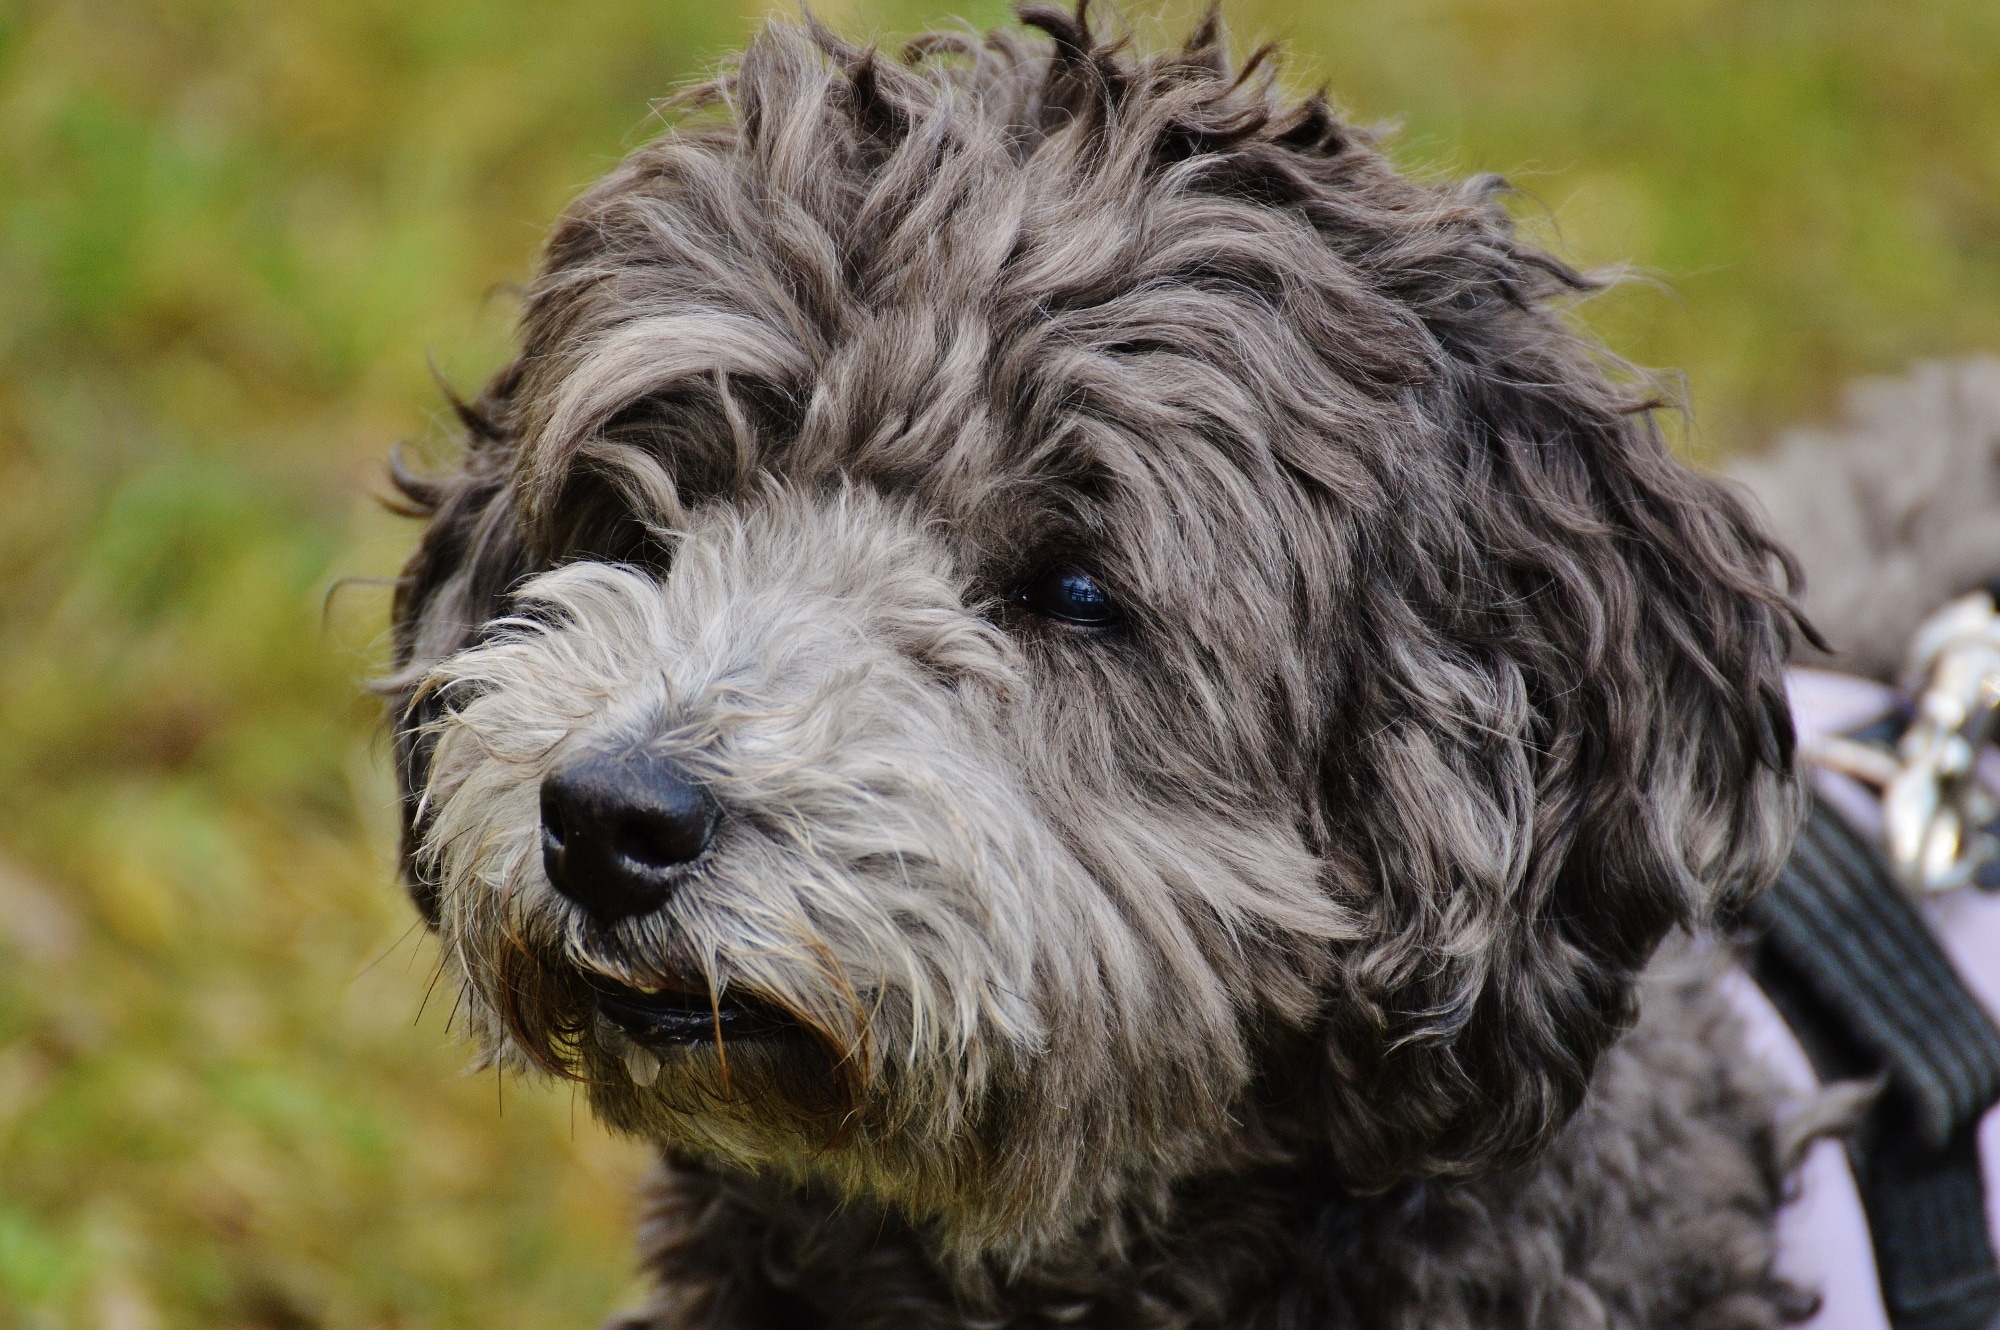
{"x": 758, "y": 1250}
{"x": 733, "y": 1250}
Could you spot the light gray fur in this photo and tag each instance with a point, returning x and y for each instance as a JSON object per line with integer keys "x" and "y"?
{"x": 883, "y": 874}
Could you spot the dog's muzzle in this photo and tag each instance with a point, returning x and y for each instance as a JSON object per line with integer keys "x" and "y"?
{"x": 618, "y": 837}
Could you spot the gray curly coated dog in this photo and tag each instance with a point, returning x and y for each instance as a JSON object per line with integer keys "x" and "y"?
{"x": 1082, "y": 700}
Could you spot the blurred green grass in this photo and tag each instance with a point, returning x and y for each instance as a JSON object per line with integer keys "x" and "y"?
{"x": 234, "y": 236}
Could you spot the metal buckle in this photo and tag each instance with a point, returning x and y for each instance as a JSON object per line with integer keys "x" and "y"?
{"x": 1936, "y": 813}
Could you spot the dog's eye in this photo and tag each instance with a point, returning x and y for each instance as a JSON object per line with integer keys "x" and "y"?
{"x": 1071, "y": 595}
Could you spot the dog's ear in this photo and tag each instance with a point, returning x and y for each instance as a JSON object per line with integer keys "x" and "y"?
{"x": 1561, "y": 731}
{"x": 470, "y": 557}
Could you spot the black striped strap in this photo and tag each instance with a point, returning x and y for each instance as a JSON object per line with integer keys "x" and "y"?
{"x": 1846, "y": 958}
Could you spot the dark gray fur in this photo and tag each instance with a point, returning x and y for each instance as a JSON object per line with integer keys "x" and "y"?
{"x": 1442, "y": 696}
{"x": 1652, "y": 1209}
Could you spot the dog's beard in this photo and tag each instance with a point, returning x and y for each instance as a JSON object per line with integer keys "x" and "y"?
{"x": 917, "y": 990}
{"x": 868, "y": 880}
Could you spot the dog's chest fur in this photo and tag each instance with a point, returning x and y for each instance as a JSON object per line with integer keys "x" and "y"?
{"x": 1655, "y": 1208}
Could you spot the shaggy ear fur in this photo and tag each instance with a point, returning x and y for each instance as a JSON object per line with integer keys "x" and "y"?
{"x": 1565, "y": 734}
{"x": 471, "y": 556}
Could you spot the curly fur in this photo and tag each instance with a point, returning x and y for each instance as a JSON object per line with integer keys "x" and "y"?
{"x": 1239, "y": 964}
{"x": 1895, "y": 513}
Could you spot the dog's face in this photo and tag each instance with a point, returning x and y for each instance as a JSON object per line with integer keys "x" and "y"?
{"x": 1021, "y": 623}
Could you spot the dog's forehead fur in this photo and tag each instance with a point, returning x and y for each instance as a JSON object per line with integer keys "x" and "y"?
{"x": 1044, "y": 326}
{"x": 1440, "y": 694}
{"x": 1145, "y": 317}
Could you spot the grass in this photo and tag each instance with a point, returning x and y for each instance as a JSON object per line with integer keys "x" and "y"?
{"x": 233, "y": 239}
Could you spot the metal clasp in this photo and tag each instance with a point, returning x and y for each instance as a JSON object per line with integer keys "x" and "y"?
{"x": 1936, "y": 812}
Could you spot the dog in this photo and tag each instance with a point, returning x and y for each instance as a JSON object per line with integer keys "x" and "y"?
{"x": 1089, "y": 707}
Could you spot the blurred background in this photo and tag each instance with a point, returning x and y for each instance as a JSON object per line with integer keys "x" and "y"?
{"x": 235, "y": 239}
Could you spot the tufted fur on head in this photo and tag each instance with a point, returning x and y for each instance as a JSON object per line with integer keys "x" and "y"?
{"x": 1438, "y": 691}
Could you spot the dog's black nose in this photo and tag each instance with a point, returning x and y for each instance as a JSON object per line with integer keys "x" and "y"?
{"x": 614, "y": 829}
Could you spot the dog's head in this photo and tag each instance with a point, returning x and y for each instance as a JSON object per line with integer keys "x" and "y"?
{"x": 1028, "y": 616}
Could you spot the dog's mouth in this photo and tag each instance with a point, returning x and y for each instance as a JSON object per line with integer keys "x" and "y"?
{"x": 672, "y": 1017}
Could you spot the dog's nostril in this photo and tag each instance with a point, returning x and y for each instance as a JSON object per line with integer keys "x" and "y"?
{"x": 554, "y": 833}
{"x": 615, "y": 829}
{"x": 661, "y": 842}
